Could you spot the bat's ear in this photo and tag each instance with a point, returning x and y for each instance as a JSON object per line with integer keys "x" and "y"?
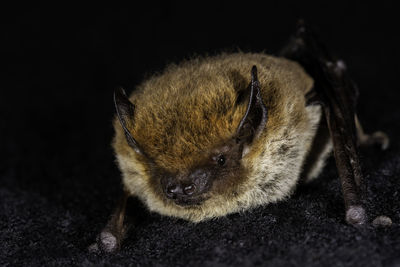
{"x": 125, "y": 110}
{"x": 253, "y": 122}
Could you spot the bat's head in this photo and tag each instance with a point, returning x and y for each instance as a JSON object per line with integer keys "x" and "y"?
{"x": 184, "y": 150}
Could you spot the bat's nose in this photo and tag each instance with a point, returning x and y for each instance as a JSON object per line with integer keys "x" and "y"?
{"x": 187, "y": 189}
{"x": 180, "y": 190}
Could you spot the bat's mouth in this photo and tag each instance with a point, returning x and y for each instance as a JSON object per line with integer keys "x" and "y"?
{"x": 187, "y": 202}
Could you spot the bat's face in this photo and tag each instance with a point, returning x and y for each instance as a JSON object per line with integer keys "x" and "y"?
{"x": 190, "y": 152}
{"x": 216, "y": 171}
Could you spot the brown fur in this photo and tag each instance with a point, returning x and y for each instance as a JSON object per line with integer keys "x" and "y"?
{"x": 185, "y": 113}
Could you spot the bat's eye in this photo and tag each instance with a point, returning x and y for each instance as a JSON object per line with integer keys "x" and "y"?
{"x": 221, "y": 160}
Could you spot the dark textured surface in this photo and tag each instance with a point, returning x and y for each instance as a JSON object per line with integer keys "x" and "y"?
{"x": 58, "y": 181}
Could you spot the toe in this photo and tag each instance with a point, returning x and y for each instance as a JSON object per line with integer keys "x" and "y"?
{"x": 355, "y": 215}
{"x": 382, "y": 221}
{"x": 93, "y": 248}
{"x": 108, "y": 242}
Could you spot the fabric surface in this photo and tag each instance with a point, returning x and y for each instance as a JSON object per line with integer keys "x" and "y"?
{"x": 58, "y": 179}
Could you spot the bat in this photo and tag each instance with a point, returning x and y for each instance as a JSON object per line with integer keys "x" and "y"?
{"x": 218, "y": 135}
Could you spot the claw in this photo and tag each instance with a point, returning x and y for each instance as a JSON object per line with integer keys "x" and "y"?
{"x": 379, "y": 138}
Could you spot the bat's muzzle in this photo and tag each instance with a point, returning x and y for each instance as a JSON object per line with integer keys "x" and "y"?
{"x": 187, "y": 191}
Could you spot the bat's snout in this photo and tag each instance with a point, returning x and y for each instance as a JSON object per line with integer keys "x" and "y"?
{"x": 174, "y": 191}
{"x": 188, "y": 191}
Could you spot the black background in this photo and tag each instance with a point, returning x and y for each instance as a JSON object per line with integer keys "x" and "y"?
{"x": 58, "y": 180}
